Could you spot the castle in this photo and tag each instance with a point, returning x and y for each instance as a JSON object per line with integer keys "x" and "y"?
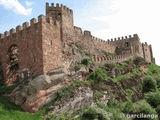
{"x": 36, "y": 48}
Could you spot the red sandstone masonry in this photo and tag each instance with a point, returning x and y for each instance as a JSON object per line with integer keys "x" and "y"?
{"x": 40, "y": 43}
{"x": 28, "y": 38}
{"x": 147, "y": 52}
{"x": 104, "y": 45}
{"x": 111, "y": 59}
{"x": 29, "y": 42}
{"x": 51, "y": 44}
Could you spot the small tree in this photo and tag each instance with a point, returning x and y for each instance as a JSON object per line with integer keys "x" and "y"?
{"x": 149, "y": 84}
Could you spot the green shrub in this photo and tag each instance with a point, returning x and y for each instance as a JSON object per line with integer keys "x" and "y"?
{"x": 7, "y": 89}
{"x": 122, "y": 76}
{"x": 79, "y": 47}
{"x": 98, "y": 94}
{"x": 128, "y": 107}
{"x": 98, "y": 75}
{"x": 87, "y": 61}
{"x": 53, "y": 116}
{"x": 112, "y": 102}
{"x": 153, "y": 98}
{"x": 139, "y": 61}
{"x": 76, "y": 67}
{"x": 158, "y": 111}
{"x": 96, "y": 113}
{"x": 142, "y": 107}
{"x": 63, "y": 92}
{"x": 149, "y": 84}
{"x": 91, "y": 114}
{"x": 153, "y": 70}
{"x": 158, "y": 81}
{"x": 87, "y": 53}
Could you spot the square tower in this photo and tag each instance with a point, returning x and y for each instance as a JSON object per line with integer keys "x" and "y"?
{"x": 65, "y": 16}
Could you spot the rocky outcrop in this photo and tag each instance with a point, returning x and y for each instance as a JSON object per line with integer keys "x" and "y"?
{"x": 33, "y": 93}
{"x": 81, "y": 97}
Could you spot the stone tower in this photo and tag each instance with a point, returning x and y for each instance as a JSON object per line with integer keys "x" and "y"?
{"x": 65, "y": 16}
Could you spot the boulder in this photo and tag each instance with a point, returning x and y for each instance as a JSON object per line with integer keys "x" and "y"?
{"x": 33, "y": 93}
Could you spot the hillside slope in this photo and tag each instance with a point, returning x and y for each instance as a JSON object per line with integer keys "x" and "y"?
{"x": 110, "y": 92}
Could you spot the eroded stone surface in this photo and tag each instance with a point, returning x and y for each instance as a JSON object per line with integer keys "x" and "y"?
{"x": 32, "y": 94}
{"x": 80, "y": 98}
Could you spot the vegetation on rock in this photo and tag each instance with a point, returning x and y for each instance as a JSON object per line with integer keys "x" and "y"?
{"x": 118, "y": 89}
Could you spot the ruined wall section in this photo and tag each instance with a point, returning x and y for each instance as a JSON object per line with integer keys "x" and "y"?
{"x": 51, "y": 44}
{"x": 28, "y": 39}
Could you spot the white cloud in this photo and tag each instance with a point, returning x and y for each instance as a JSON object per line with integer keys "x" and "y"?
{"x": 16, "y": 6}
{"x": 116, "y": 18}
{"x": 28, "y": 3}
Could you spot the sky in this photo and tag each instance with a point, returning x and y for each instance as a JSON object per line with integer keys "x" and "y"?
{"x": 106, "y": 19}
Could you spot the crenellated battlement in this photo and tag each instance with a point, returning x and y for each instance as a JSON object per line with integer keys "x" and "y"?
{"x": 113, "y": 40}
{"x": 145, "y": 44}
{"x": 100, "y": 40}
{"x": 27, "y": 25}
{"x": 52, "y": 6}
{"x": 57, "y": 7}
{"x": 111, "y": 58}
{"x": 124, "y": 38}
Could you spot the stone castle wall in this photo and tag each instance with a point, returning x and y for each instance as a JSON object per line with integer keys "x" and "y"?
{"x": 40, "y": 44}
{"x": 51, "y": 44}
{"x": 28, "y": 39}
{"x": 37, "y": 43}
{"x": 112, "y": 59}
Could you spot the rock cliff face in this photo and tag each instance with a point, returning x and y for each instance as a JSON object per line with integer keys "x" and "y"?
{"x": 32, "y": 94}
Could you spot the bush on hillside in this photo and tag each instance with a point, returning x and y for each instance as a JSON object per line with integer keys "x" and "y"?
{"x": 142, "y": 107}
{"x": 158, "y": 81}
{"x": 92, "y": 114}
{"x": 149, "y": 84}
{"x": 128, "y": 107}
{"x": 86, "y": 61}
{"x": 153, "y": 98}
{"x": 158, "y": 111}
{"x": 98, "y": 75}
{"x": 139, "y": 61}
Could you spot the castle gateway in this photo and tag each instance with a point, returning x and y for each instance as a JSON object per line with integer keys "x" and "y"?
{"x": 35, "y": 48}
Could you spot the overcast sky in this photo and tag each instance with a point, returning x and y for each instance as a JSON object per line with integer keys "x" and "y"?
{"x": 104, "y": 18}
